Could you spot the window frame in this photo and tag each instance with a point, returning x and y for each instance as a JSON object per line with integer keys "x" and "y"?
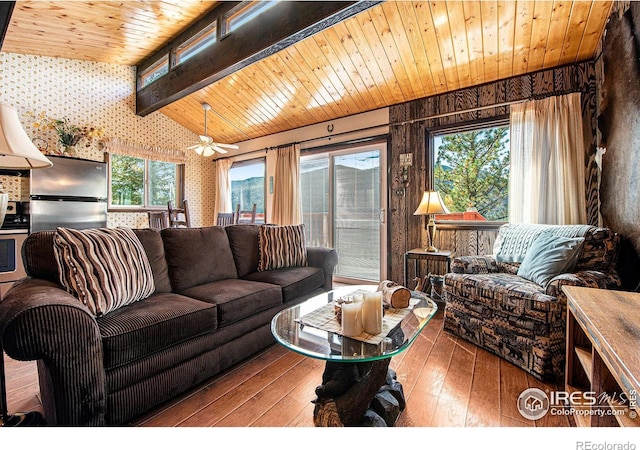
{"x": 462, "y": 127}
{"x": 162, "y": 62}
{"x": 195, "y": 44}
{"x": 240, "y": 9}
{"x": 333, "y": 151}
{"x": 180, "y": 182}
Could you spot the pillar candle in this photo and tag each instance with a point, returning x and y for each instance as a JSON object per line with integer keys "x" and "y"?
{"x": 372, "y": 312}
{"x": 351, "y": 319}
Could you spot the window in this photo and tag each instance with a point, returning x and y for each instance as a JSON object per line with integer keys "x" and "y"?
{"x": 196, "y": 44}
{"x": 155, "y": 71}
{"x": 143, "y": 183}
{"x": 315, "y": 194}
{"x": 248, "y": 186}
{"x": 471, "y": 171}
{"x": 242, "y": 14}
{"x": 342, "y": 204}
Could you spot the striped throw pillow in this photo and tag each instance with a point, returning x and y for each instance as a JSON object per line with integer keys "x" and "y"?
{"x": 282, "y": 246}
{"x": 105, "y": 268}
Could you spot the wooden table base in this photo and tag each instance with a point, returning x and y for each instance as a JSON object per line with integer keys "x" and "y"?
{"x": 347, "y": 391}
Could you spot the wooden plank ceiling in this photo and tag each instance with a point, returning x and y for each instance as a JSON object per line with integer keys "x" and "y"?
{"x": 392, "y": 53}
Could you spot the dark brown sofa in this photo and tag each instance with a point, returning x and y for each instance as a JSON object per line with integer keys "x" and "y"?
{"x": 210, "y": 310}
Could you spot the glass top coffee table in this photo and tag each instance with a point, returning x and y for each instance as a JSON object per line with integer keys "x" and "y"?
{"x": 355, "y": 370}
{"x": 289, "y": 331}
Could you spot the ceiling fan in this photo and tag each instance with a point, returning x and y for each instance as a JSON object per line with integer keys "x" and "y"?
{"x": 206, "y": 146}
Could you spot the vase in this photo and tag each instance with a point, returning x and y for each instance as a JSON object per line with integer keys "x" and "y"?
{"x": 67, "y": 150}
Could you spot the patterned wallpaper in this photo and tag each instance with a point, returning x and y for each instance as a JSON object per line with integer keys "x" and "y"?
{"x": 98, "y": 94}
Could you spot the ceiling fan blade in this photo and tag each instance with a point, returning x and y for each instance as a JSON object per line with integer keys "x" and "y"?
{"x": 194, "y": 146}
{"x": 206, "y": 139}
{"x": 219, "y": 149}
{"x": 233, "y": 146}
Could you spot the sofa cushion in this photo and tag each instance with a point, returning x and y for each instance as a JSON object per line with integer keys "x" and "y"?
{"x": 514, "y": 239}
{"x": 294, "y": 281}
{"x": 282, "y": 246}
{"x": 599, "y": 251}
{"x": 236, "y": 299}
{"x": 245, "y": 247}
{"x": 506, "y": 294}
{"x": 151, "y": 325}
{"x": 38, "y": 256}
{"x": 105, "y": 268}
{"x": 197, "y": 256}
{"x": 154, "y": 248}
{"x": 549, "y": 256}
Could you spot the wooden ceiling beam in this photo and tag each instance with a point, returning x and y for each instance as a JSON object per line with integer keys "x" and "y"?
{"x": 277, "y": 28}
{"x": 6, "y": 9}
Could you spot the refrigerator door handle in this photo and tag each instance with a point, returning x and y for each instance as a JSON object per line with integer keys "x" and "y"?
{"x": 67, "y": 198}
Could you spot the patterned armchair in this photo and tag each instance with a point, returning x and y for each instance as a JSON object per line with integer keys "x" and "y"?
{"x": 487, "y": 303}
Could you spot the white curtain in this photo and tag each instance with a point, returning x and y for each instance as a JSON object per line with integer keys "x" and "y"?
{"x": 287, "y": 209}
{"x": 547, "y": 174}
{"x": 223, "y": 191}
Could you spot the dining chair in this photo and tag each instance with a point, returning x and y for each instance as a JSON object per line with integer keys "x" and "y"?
{"x": 246, "y": 216}
{"x": 158, "y": 220}
{"x": 225, "y": 219}
{"x": 179, "y": 217}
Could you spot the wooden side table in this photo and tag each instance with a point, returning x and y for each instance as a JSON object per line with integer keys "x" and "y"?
{"x": 437, "y": 263}
{"x": 602, "y": 356}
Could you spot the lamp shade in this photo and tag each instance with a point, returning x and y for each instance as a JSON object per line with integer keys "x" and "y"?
{"x": 16, "y": 149}
{"x": 431, "y": 204}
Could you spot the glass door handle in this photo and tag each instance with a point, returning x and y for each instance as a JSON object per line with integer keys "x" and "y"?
{"x": 381, "y": 216}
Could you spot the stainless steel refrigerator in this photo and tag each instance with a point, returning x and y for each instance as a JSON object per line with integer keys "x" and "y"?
{"x": 72, "y": 194}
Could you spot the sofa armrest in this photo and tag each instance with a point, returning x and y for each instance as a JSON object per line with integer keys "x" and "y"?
{"x": 40, "y": 321}
{"x": 586, "y": 278}
{"x": 474, "y": 264}
{"x": 326, "y": 259}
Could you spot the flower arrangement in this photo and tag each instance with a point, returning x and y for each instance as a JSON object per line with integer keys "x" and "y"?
{"x": 69, "y": 135}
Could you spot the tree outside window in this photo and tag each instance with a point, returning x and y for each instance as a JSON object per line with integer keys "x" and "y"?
{"x": 127, "y": 181}
{"x": 472, "y": 171}
{"x": 162, "y": 183}
{"x": 143, "y": 183}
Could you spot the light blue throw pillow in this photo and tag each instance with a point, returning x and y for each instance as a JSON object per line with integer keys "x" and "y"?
{"x": 549, "y": 256}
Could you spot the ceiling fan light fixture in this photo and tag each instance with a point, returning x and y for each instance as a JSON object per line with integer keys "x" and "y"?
{"x": 207, "y": 147}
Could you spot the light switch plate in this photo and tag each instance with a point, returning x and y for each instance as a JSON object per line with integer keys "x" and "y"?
{"x": 406, "y": 159}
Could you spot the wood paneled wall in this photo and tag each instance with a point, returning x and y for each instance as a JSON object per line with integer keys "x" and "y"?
{"x": 467, "y": 238}
{"x": 619, "y": 122}
{"x": 412, "y": 121}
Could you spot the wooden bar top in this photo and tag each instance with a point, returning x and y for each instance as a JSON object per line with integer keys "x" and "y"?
{"x": 611, "y": 320}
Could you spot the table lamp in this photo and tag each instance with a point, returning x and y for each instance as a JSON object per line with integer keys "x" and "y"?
{"x": 431, "y": 205}
{"x": 16, "y": 152}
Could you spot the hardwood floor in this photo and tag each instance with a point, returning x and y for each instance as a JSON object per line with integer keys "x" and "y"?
{"x": 447, "y": 382}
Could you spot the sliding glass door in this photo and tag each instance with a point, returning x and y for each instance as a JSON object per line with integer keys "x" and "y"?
{"x": 343, "y": 206}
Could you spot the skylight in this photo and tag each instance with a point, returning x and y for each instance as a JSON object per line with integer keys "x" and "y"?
{"x": 155, "y": 71}
{"x": 243, "y": 13}
{"x": 197, "y": 43}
